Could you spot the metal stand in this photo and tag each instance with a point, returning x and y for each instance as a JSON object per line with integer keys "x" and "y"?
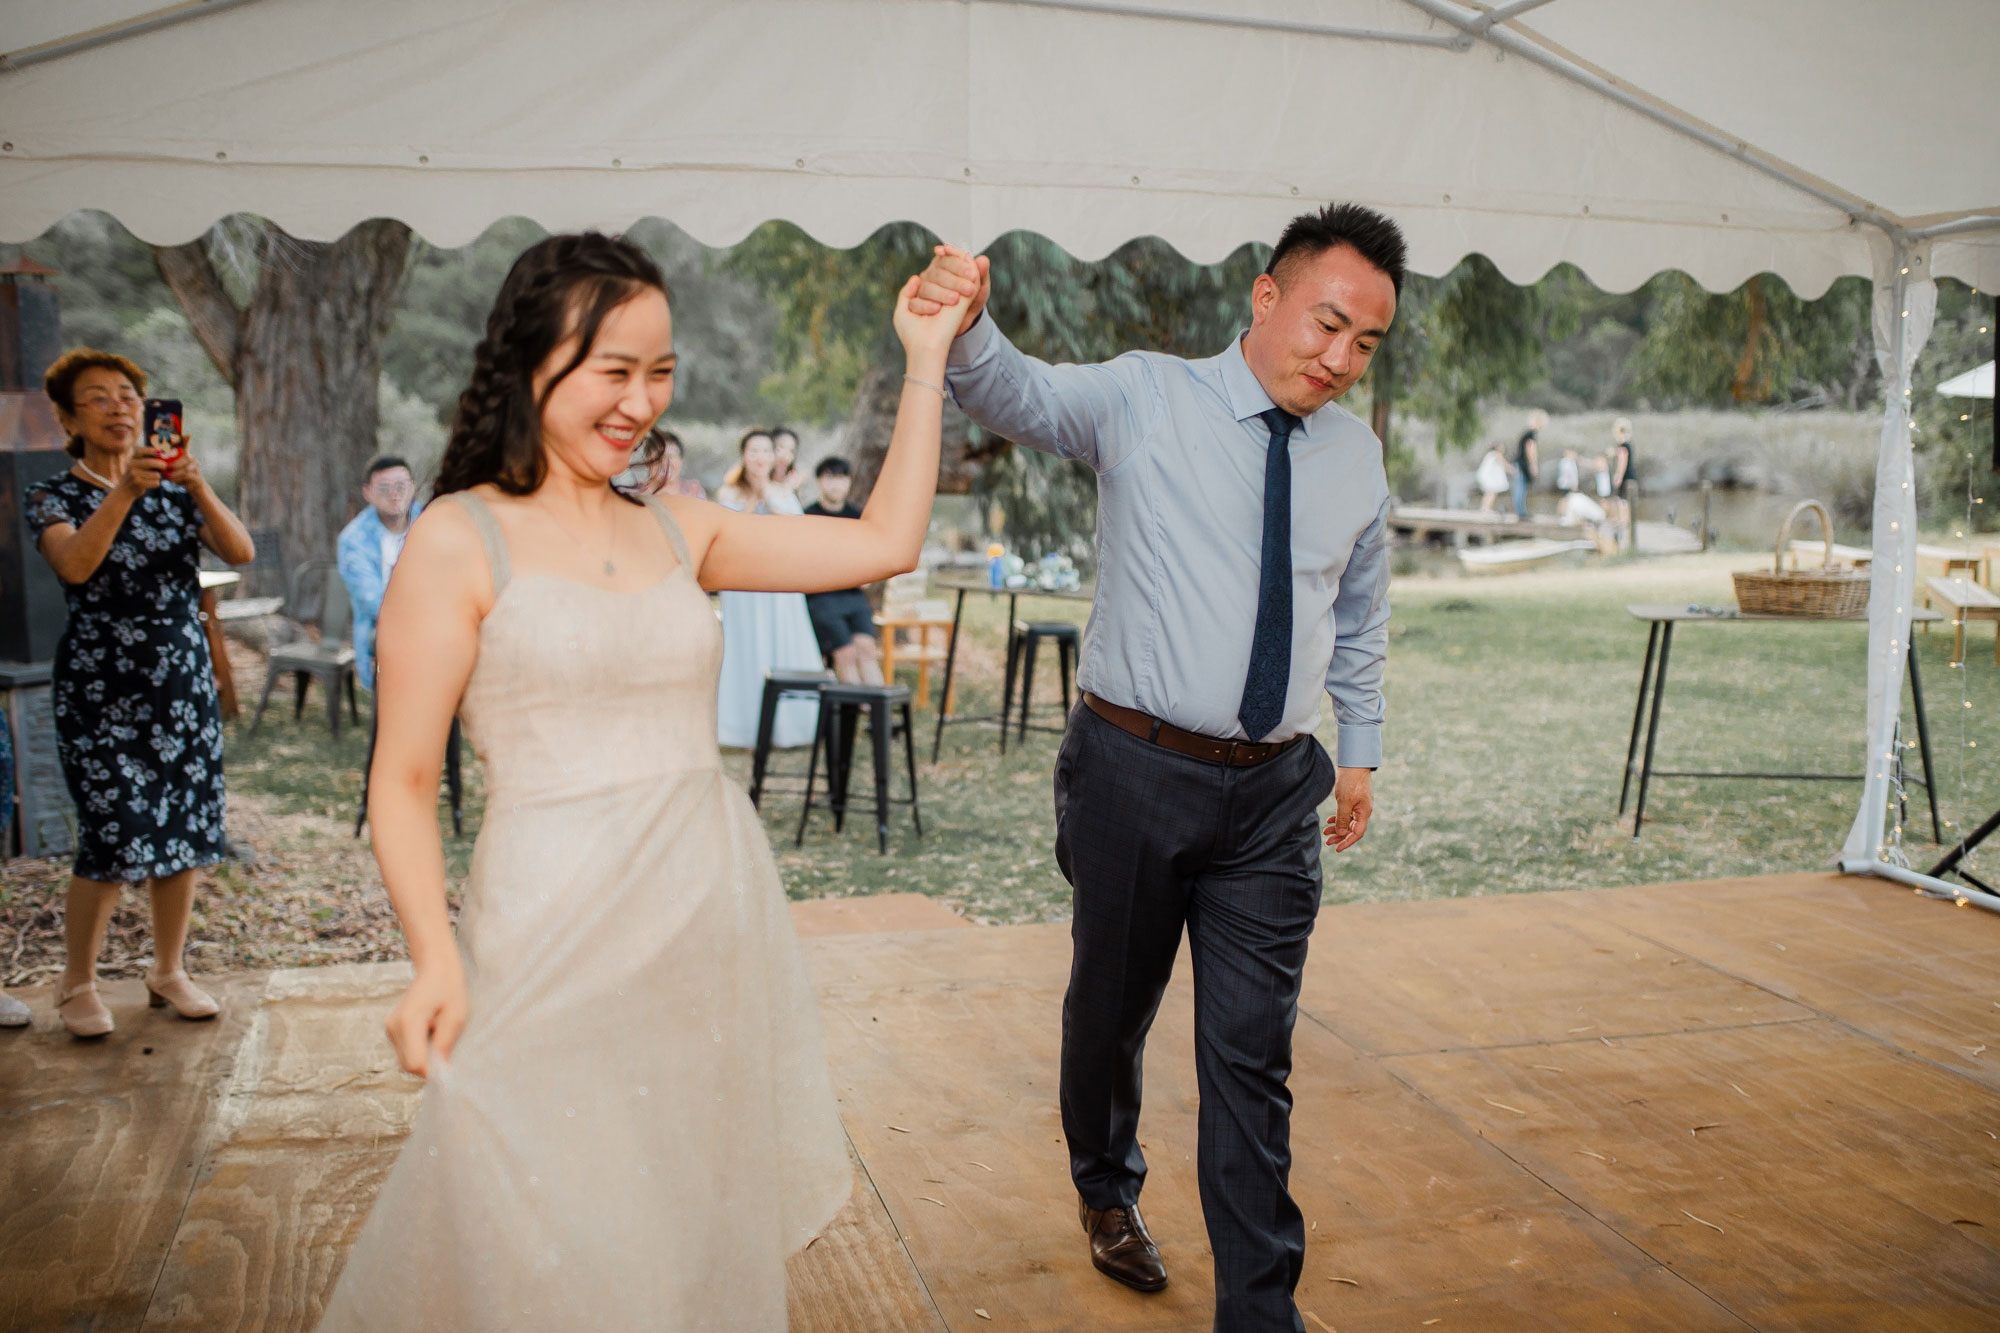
{"x": 1659, "y": 645}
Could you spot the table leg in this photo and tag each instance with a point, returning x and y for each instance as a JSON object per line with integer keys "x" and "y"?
{"x": 1653, "y": 726}
{"x": 1638, "y": 714}
{"x": 225, "y": 677}
{"x": 950, "y": 662}
{"x": 1924, "y": 743}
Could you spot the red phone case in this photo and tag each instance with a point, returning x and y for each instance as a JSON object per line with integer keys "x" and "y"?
{"x": 163, "y": 427}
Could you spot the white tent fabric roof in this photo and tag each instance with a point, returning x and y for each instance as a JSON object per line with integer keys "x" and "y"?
{"x": 1090, "y": 121}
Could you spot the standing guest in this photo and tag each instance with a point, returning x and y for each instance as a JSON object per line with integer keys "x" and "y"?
{"x": 843, "y": 621}
{"x": 785, "y": 466}
{"x": 1243, "y": 566}
{"x": 1491, "y": 477}
{"x": 1527, "y": 458}
{"x": 138, "y": 726}
{"x": 1569, "y": 472}
{"x": 1624, "y": 476}
{"x": 762, "y": 630}
{"x": 663, "y": 458}
{"x": 369, "y": 547}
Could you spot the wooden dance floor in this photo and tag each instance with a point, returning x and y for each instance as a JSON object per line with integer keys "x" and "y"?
{"x": 1769, "y": 1103}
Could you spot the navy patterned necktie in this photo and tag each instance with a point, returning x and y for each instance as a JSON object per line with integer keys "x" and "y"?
{"x": 1263, "y": 705}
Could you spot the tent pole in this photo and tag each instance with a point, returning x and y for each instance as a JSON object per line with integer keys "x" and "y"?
{"x": 1234, "y": 21}
{"x": 115, "y": 32}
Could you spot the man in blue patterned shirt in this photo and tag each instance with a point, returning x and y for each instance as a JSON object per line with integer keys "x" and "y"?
{"x": 368, "y": 548}
{"x": 1242, "y": 567}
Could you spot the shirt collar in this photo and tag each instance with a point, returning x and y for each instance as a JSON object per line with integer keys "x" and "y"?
{"x": 1247, "y": 398}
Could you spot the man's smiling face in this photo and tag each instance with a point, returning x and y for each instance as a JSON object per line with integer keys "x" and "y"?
{"x": 1315, "y": 326}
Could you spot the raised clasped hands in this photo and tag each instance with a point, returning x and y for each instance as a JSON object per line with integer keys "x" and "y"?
{"x": 1353, "y": 803}
{"x": 956, "y": 279}
{"x": 925, "y": 329}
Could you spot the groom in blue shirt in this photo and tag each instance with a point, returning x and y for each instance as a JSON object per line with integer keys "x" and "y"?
{"x": 1242, "y": 567}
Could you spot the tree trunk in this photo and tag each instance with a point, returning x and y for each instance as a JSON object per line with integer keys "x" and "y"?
{"x": 865, "y": 438}
{"x": 305, "y": 358}
{"x": 1382, "y": 394}
{"x": 1742, "y": 389}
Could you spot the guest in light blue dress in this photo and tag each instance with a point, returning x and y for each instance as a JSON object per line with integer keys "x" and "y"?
{"x": 762, "y": 630}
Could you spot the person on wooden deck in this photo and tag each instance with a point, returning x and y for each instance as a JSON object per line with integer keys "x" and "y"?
{"x": 1243, "y": 565}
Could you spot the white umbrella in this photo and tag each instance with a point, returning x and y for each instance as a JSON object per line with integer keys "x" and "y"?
{"x": 1974, "y": 383}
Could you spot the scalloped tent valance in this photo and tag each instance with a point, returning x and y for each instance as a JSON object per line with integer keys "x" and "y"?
{"x": 1724, "y": 139}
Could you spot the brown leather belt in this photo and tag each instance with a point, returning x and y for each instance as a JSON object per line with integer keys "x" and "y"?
{"x": 1235, "y": 754}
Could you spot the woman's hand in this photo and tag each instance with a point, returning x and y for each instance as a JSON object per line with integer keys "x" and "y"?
{"x": 926, "y": 330}
{"x": 143, "y": 472}
{"x": 429, "y": 1017}
{"x": 184, "y": 471}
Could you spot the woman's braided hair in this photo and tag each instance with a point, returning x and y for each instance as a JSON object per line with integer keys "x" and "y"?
{"x": 560, "y": 287}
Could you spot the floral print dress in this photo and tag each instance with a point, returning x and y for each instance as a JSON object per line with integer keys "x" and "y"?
{"x": 138, "y": 725}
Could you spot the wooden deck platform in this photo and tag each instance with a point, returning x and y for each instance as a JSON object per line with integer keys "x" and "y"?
{"x": 1768, "y": 1103}
{"x": 1464, "y": 525}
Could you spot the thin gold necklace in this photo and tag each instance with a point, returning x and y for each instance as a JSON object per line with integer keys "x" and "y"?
{"x": 610, "y": 569}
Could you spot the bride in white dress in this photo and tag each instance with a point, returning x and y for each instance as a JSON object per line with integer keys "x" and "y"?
{"x": 628, "y": 1122}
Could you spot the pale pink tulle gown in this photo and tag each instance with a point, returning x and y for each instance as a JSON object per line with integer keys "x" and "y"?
{"x": 637, "y": 1125}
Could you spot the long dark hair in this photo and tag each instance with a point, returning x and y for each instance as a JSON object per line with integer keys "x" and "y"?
{"x": 559, "y": 287}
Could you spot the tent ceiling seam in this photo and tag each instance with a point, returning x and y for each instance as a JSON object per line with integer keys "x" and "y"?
{"x": 1663, "y": 113}
{"x": 1455, "y": 42}
{"x": 114, "y": 32}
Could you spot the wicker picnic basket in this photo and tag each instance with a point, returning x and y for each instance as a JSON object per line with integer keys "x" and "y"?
{"x": 1830, "y": 592}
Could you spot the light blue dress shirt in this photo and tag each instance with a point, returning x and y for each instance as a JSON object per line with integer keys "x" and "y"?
{"x": 358, "y": 553}
{"x": 1179, "y": 453}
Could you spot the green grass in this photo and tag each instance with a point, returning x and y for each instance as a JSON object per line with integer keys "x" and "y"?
{"x": 1510, "y": 701}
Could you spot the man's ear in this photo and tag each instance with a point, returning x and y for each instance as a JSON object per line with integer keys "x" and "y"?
{"x": 1263, "y": 296}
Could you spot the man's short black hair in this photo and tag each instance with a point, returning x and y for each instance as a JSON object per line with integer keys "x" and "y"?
{"x": 383, "y": 464}
{"x": 1377, "y": 239}
{"x": 834, "y": 467}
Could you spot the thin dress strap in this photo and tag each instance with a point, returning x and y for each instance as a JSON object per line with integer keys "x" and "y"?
{"x": 673, "y": 530}
{"x": 482, "y": 518}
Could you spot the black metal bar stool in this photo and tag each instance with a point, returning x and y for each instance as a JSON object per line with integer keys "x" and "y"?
{"x": 778, "y": 684}
{"x": 1022, "y": 641}
{"x": 839, "y": 712}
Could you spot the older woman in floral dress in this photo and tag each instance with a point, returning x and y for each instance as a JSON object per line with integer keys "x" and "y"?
{"x": 138, "y": 726}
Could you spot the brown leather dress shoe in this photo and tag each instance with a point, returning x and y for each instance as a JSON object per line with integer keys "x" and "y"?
{"x": 1120, "y": 1247}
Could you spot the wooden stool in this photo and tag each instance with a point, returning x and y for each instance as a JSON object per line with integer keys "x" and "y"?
{"x": 928, "y": 621}
{"x": 839, "y": 707}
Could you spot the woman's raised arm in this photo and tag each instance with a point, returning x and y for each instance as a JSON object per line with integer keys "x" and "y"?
{"x": 772, "y": 553}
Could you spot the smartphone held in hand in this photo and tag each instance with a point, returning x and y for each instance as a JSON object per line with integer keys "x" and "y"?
{"x": 163, "y": 427}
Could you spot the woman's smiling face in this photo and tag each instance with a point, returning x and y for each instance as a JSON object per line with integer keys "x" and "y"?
{"x": 594, "y": 416}
{"x": 107, "y": 411}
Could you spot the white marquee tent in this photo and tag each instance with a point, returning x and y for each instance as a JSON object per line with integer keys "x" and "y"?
{"x": 1808, "y": 138}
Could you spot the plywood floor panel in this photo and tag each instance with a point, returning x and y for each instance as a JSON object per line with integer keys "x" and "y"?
{"x": 1841, "y": 1176}
{"x": 1497, "y": 1103}
{"x": 1461, "y": 973}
